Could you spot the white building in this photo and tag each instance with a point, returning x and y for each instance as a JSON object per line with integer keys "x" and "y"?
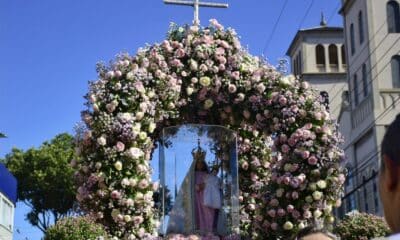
{"x": 372, "y": 35}
{"x": 318, "y": 56}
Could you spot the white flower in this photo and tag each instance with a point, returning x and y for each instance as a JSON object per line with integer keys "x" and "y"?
{"x": 132, "y": 182}
{"x": 287, "y": 80}
{"x": 328, "y": 209}
{"x": 139, "y": 115}
{"x": 129, "y": 202}
{"x": 110, "y": 74}
{"x": 102, "y": 140}
{"x": 321, "y": 184}
{"x": 301, "y": 225}
{"x": 317, "y": 195}
{"x": 126, "y": 117}
{"x": 171, "y": 105}
{"x": 317, "y": 213}
{"x": 127, "y": 218}
{"x": 142, "y": 135}
{"x": 130, "y": 75}
{"x": 134, "y": 153}
{"x": 189, "y": 91}
{"x": 288, "y": 225}
{"x": 152, "y": 127}
{"x": 205, "y": 81}
{"x": 118, "y": 165}
{"x": 125, "y": 182}
{"x": 98, "y": 165}
{"x": 208, "y": 104}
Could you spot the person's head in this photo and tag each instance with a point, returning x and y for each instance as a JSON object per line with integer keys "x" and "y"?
{"x": 389, "y": 175}
{"x": 314, "y": 233}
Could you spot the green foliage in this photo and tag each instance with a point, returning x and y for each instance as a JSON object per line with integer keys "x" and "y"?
{"x": 361, "y": 226}
{"x": 75, "y": 228}
{"x": 45, "y": 179}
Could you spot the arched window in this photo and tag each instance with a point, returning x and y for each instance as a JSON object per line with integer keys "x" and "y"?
{"x": 333, "y": 55}
{"x": 364, "y": 79}
{"x": 343, "y": 54}
{"x": 320, "y": 54}
{"x": 395, "y": 62}
{"x": 361, "y": 27}
{"x": 393, "y": 17}
{"x": 352, "y": 42}
{"x": 355, "y": 88}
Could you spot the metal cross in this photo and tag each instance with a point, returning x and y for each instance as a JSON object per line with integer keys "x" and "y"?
{"x": 196, "y": 4}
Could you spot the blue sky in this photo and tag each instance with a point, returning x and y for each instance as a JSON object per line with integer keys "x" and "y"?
{"x": 48, "y": 52}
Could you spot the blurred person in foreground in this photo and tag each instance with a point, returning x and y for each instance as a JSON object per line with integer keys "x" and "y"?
{"x": 389, "y": 177}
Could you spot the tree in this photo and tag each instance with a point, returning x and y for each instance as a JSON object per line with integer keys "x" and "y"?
{"x": 45, "y": 179}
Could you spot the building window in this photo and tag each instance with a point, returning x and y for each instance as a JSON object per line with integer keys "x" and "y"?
{"x": 361, "y": 27}
{"x": 352, "y": 42}
{"x": 376, "y": 194}
{"x": 393, "y": 17}
{"x": 351, "y": 204}
{"x": 395, "y": 62}
{"x": 333, "y": 55}
{"x": 343, "y": 54}
{"x": 364, "y": 79}
{"x": 355, "y": 89}
{"x": 299, "y": 62}
{"x": 320, "y": 55}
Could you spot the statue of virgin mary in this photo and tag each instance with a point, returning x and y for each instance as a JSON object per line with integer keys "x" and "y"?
{"x": 189, "y": 214}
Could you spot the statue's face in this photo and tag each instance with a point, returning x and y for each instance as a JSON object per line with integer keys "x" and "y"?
{"x": 200, "y": 165}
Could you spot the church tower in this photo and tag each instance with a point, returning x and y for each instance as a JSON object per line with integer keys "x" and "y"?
{"x": 317, "y": 55}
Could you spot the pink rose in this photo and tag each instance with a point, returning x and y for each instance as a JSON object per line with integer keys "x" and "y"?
{"x": 272, "y": 213}
{"x": 305, "y": 154}
{"x": 312, "y": 160}
{"x": 120, "y": 146}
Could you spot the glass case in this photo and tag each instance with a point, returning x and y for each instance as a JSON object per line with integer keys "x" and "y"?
{"x": 198, "y": 174}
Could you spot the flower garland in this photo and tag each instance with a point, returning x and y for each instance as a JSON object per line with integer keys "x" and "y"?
{"x": 289, "y": 158}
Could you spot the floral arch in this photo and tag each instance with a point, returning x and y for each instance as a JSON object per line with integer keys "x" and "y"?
{"x": 289, "y": 158}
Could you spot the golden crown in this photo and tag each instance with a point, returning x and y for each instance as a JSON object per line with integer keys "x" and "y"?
{"x": 198, "y": 153}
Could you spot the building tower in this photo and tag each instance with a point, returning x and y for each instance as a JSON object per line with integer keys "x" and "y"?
{"x": 318, "y": 56}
